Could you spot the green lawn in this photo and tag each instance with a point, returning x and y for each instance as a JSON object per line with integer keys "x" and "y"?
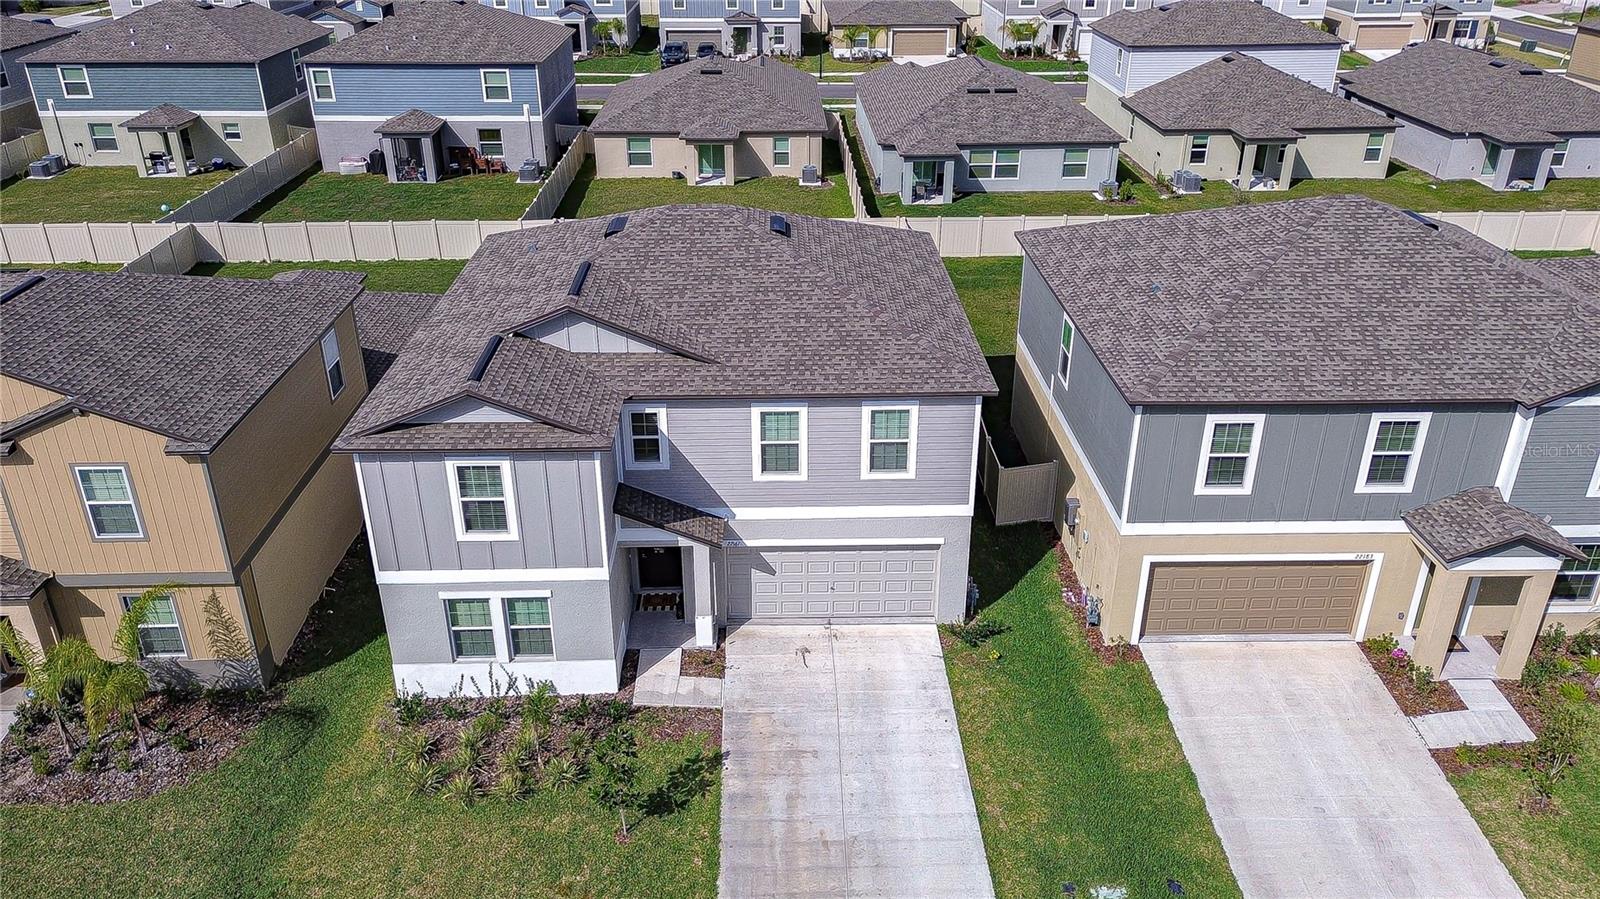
{"x": 416, "y": 276}
{"x": 590, "y": 196}
{"x": 331, "y": 197}
{"x": 99, "y": 194}
{"x": 1025, "y": 63}
{"x": 1349, "y": 59}
{"x": 1509, "y": 50}
{"x": 103, "y": 5}
{"x": 603, "y": 79}
{"x": 814, "y": 48}
{"x": 1551, "y": 254}
{"x": 643, "y": 56}
{"x": 310, "y": 806}
{"x": 70, "y": 266}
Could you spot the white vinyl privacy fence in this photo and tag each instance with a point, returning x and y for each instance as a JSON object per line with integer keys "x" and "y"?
{"x": 239, "y": 194}
{"x": 554, "y": 189}
{"x": 16, "y": 154}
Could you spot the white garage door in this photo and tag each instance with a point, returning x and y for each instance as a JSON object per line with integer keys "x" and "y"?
{"x": 832, "y": 583}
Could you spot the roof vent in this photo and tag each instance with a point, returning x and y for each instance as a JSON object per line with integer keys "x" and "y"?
{"x": 1423, "y": 220}
{"x": 616, "y": 225}
{"x": 1530, "y": 71}
{"x": 484, "y": 358}
{"x": 1498, "y": 63}
{"x": 779, "y": 226}
{"x": 22, "y": 285}
{"x": 1005, "y": 90}
{"x": 977, "y": 90}
{"x": 711, "y": 71}
{"x": 578, "y": 277}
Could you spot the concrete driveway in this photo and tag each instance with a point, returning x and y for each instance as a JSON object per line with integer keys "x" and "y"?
{"x": 1316, "y": 782}
{"x": 844, "y": 774}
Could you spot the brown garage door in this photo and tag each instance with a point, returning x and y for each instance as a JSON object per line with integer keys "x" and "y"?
{"x": 919, "y": 43}
{"x": 1383, "y": 37}
{"x": 694, "y": 39}
{"x": 1278, "y": 598}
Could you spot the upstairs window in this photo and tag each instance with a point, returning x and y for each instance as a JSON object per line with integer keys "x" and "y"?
{"x": 481, "y": 500}
{"x": 889, "y": 441}
{"x": 502, "y": 4}
{"x": 647, "y": 439}
{"x": 780, "y": 443}
{"x": 1578, "y": 582}
{"x": 1075, "y": 162}
{"x": 294, "y": 60}
{"x": 496, "y": 85}
{"x": 1129, "y": 4}
{"x": 108, "y": 500}
{"x": 1122, "y": 60}
{"x": 1393, "y": 443}
{"x": 1199, "y": 148}
{"x": 322, "y": 85}
{"x": 74, "y": 81}
{"x": 471, "y": 628}
{"x": 528, "y": 623}
{"x": 1374, "y": 151}
{"x": 733, "y": 4}
{"x": 1064, "y": 360}
{"x": 160, "y": 636}
{"x": 680, "y": 4}
{"x": 231, "y": 131}
{"x": 331, "y": 363}
{"x": 1228, "y": 456}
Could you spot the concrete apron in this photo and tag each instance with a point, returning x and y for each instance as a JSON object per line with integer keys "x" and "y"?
{"x": 844, "y": 772}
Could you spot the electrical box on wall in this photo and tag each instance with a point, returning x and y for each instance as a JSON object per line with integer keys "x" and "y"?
{"x": 1069, "y": 515}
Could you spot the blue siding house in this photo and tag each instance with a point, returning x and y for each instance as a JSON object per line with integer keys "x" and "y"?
{"x": 442, "y": 88}
{"x": 175, "y": 86}
{"x": 736, "y": 27}
{"x": 581, "y": 18}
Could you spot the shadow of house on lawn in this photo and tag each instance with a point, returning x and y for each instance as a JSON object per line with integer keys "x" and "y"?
{"x": 1002, "y": 557}
{"x": 343, "y": 621}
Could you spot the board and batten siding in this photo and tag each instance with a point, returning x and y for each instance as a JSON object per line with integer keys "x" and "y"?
{"x": 558, "y": 507}
{"x": 712, "y": 456}
{"x": 719, "y": 9}
{"x": 133, "y": 88}
{"x": 1559, "y": 463}
{"x": 388, "y": 90}
{"x": 1150, "y": 66}
{"x": 1308, "y": 463}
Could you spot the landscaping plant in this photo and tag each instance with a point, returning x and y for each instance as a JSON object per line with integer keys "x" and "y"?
{"x": 614, "y": 775}
{"x": 51, "y": 678}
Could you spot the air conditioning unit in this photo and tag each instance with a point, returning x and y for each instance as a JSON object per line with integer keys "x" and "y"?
{"x": 1186, "y": 182}
{"x": 57, "y": 163}
{"x": 809, "y": 175}
{"x": 1106, "y": 191}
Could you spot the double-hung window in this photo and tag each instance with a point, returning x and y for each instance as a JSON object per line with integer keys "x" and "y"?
{"x": 481, "y": 499}
{"x": 103, "y": 137}
{"x": 331, "y": 363}
{"x": 491, "y": 144}
{"x": 1578, "y": 583}
{"x": 1199, "y": 148}
{"x": 160, "y": 635}
{"x": 646, "y": 446}
{"x": 1558, "y": 158}
{"x": 889, "y": 441}
{"x": 680, "y": 4}
{"x": 294, "y": 60}
{"x": 107, "y": 494}
{"x": 1075, "y": 162}
{"x": 639, "y": 155}
{"x": 780, "y": 34}
{"x": 231, "y": 131}
{"x": 780, "y": 152}
{"x": 1129, "y": 4}
{"x": 496, "y": 85}
{"x": 1374, "y": 150}
{"x": 779, "y": 436}
{"x": 998, "y": 164}
{"x": 1122, "y": 60}
{"x": 1594, "y": 482}
{"x": 471, "y": 627}
{"x": 528, "y": 625}
{"x": 1228, "y": 455}
{"x": 502, "y": 4}
{"x": 74, "y": 81}
{"x": 322, "y": 85}
{"x": 1393, "y": 445}
{"x": 541, "y": 4}
{"x": 1064, "y": 358}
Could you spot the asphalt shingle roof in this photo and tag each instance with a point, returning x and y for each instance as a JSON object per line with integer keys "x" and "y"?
{"x": 669, "y": 515}
{"x": 1478, "y": 520}
{"x": 1323, "y": 300}
{"x": 412, "y": 121}
{"x": 1209, "y": 23}
{"x": 385, "y": 322}
{"x": 715, "y": 99}
{"x": 182, "y": 356}
{"x": 933, "y": 111}
{"x": 18, "y": 581}
{"x": 161, "y": 118}
{"x": 834, "y": 309}
{"x": 24, "y": 32}
{"x": 1465, "y": 92}
{"x": 1242, "y": 95}
{"x": 894, "y": 12}
{"x": 449, "y": 32}
{"x": 182, "y": 31}
{"x": 1583, "y": 271}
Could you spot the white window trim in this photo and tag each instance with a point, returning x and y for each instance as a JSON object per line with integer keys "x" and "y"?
{"x": 294, "y": 60}
{"x": 541, "y": 4}
{"x": 1590, "y": 604}
{"x": 1070, "y": 349}
{"x": 680, "y": 4}
{"x": 788, "y": 152}
{"x": 177, "y": 622}
{"x": 499, "y": 622}
{"x": 1382, "y": 140}
{"x": 994, "y": 164}
{"x": 132, "y": 500}
{"x": 777, "y": 4}
{"x": 496, "y": 637}
{"x": 60, "y": 70}
{"x": 1205, "y": 150}
{"x": 1201, "y": 488}
{"x": 732, "y": 4}
{"x": 1027, "y": 4}
{"x": 755, "y": 442}
{"x": 867, "y": 474}
{"x": 1122, "y": 62}
{"x": 631, "y": 464}
{"x": 1064, "y": 162}
{"x": 510, "y": 534}
{"x": 502, "y": 4}
{"x": 116, "y": 145}
{"x": 1594, "y": 482}
{"x": 483, "y": 83}
{"x": 312, "y": 80}
{"x": 329, "y": 344}
{"x": 505, "y": 618}
{"x": 1422, "y": 419}
{"x": 237, "y": 129}
{"x": 1563, "y": 149}
{"x": 629, "y": 153}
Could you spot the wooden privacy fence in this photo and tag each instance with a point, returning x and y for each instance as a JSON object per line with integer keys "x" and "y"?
{"x": 555, "y": 186}
{"x": 237, "y": 195}
{"x": 16, "y": 154}
{"x": 1018, "y": 493}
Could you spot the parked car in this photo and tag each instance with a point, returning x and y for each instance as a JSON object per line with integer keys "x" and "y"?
{"x": 673, "y": 53}
{"x": 705, "y": 50}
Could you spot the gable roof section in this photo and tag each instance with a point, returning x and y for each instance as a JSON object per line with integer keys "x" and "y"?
{"x": 1210, "y": 23}
{"x": 834, "y": 309}
{"x": 715, "y": 99}
{"x": 20, "y": 32}
{"x": 183, "y": 31}
{"x": 934, "y": 111}
{"x": 894, "y": 12}
{"x": 1583, "y": 271}
{"x": 186, "y": 357}
{"x": 412, "y": 121}
{"x": 449, "y": 32}
{"x": 1244, "y": 96}
{"x": 165, "y": 117}
{"x": 1478, "y": 520}
{"x": 1215, "y": 307}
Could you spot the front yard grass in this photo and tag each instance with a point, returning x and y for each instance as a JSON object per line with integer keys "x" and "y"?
{"x": 331, "y": 197}
{"x": 403, "y": 276}
{"x": 1034, "y": 64}
{"x": 643, "y": 56}
{"x": 1537, "y": 60}
{"x": 1349, "y": 59}
{"x": 311, "y": 806}
{"x": 99, "y": 194}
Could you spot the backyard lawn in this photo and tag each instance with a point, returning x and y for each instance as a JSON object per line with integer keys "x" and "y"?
{"x": 418, "y": 276}
{"x": 311, "y": 806}
{"x": 331, "y": 197}
{"x": 1539, "y": 60}
{"x": 99, "y": 194}
{"x": 1349, "y": 59}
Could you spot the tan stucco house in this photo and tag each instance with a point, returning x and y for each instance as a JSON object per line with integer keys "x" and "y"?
{"x": 899, "y": 29}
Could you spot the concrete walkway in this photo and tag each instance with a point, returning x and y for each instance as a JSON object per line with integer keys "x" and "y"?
{"x": 1317, "y": 784}
{"x": 659, "y": 682}
{"x": 1488, "y": 718}
{"x": 845, "y": 775}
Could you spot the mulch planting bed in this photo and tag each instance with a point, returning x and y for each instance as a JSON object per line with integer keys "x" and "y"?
{"x": 1076, "y": 600}
{"x": 704, "y": 663}
{"x": 1411, "y": 700}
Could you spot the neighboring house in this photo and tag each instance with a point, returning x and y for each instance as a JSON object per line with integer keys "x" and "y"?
{"x": 441, "y": 75}
{"x": 1584, "y": 62}
{"x": 712, "y": 121}
{"x": 192, "y": 449}
{"x": 1139, "y": 48}
{"x": 1067, "y": 26}
{"x": 737, "y": 27}
{"x": 343, "y": 18}
{"x": 742, "y": 415}
{"x": 18, "y": 38}
{"x": 1283, "y": 419}
{"x": 1394, "y": 24}
{"x": 902, "y": 29}
{"x": 1538, "y": 126}
{"x": 186, "y": 80}
{"x": 1240, "y": 120}
{"x": 969, "y": 125}
{"x": 580, "y": 17}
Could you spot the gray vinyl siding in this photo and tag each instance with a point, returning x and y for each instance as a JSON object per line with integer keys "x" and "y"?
{"x": 575, "y": 333}
{"x": 712, "y": 466}
{"x": 1563, "y": 445}
{"x": 581, "y": 625}
{"x": 1103, "y": 66}
{"x": 558, "y": 105}
{"x": 16, "y": 89}
{"x": 1309, "y": 460}
{"x": 719, "y": 9}
{"x": 1040, "y": 169}
{"x": 277, "y": 74}
{"x": 558, "y": 508}
{"x": 1091, "y": 405}
{"x": 125, "y": 87}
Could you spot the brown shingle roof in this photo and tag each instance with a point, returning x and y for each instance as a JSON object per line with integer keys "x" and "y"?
{"x": 449, "y": 32}
{"x": 894, "y": 12}
{"x": 385, "y": 322}
{"x": 669, "y": 515}
{"x": 1209, "y": 23}
{"x": 1584, "y": 271}
{"x": 161, "y": 118}
{"x": 412, "y": 121}
{"x": 1478, "y": 520}
{"x": 182, "y": 31}
{"x": 715, "y": 99}
{"x": 18, "y": 581}
{"x": 24, "y": 32}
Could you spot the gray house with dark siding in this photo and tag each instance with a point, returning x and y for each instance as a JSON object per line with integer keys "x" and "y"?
{"x": 573, "y": 449}
{"x": 227, "y": 81}
{"x": 1244, "y": 452}
{"x": 19, "y": 38}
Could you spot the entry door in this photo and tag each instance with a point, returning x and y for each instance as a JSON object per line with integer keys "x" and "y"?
{"x": 741, "y": 41}
{"x": 929, "y": 172}
{"x": 660, "y": 568}
{"x": 713, "y": 160}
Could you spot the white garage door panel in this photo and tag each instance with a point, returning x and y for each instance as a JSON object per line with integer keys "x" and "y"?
{"x": 832, "y": 583}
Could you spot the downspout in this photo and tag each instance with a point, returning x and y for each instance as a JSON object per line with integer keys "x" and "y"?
{"x": 61, "y": 136}
{"x": 527, "y": 117}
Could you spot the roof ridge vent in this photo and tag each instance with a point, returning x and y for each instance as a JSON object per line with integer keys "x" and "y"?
{"x": 578, "y": 277}
{"x": 616, "y": 225}
{"x": 485, "y": 357}
{"x": 778, "y": 225}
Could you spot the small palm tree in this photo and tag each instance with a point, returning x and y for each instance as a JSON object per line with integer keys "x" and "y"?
{"x": 605, "y": 32}
{"x": 115, "y": 687}
{"x": 1022, "y": 31}
{"x": 850, "y": 33}
{"x": 872, "y": 37}
{"x": 51, "y": 675}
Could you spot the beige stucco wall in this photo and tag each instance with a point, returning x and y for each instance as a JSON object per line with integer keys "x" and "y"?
{"x": 755, "y": 155}
{"x": 259, "y": 136}
{"x": 749, "y": 157}
{"x": 1166, "y": 153}
{"x": 1339, "y": 154}
{"x": 836, "y": 38}
{"x": 1107, "y": 107}
{"x": 32, "y": 619}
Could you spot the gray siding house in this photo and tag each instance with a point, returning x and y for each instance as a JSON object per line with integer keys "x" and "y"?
{"x": 1244, "y": 451}
{"x": 175, "y": 85}
{"x": 437, "y": 86}
{"x": 739, "y": 28}
{"x": 965, "y": 126}
{"x": 19, "y": 38}
{"x": 580, "y": 18}
{"x": 574, "y": 449}
{"x": 1539, "y": 125}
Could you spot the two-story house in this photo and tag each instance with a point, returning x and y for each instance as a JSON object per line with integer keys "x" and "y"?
{"x": 167, "y": 429}
{"x": 21, "y": 37}
{"x": 969, "y": 125}
{"x": 927, "y": 31}
{"x": 736, "y": 27}
{"x": 580, "y": 17}
{"x": 175, "y": 85}
{"x": 1068, "y": 26}
{"x": 574, "y": 444}
{"x": 1393, "y": 24}
{"x": 439, "y": 76}
{"x": 343, "y": 18}
{"x": 1406, "y": 443}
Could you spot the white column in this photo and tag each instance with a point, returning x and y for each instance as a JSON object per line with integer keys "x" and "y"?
{"x": 700, "y": 601}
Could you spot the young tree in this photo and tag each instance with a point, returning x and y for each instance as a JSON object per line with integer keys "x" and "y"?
{"x": 872, "y": 37}
{"x": 850, "y": 33}
{"x": 605, "y": 32}
{"x": 228, "y": 646}
{"x": 116, "y": 686}
{"x": 614, "y": 773}
{"x": 50, "y": 676}
{"x": 1022, "y": 31}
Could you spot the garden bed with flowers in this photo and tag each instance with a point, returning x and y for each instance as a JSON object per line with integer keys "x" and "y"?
{"x": 1412, "y": 685}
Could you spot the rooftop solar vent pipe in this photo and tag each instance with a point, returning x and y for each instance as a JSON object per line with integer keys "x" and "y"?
{"x": 779, "y": 226}
{"x": 578, "y": 277}
{"x": 616, "y": 225}
{"x": 484, "y": 358}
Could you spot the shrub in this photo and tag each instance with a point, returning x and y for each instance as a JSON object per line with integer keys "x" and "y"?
{"x": 976, "y": 631}
{"x": 1586, "y": 642}
{"x": 410, "y": 708}
{"x": 1539, "y": 672}
{"x": 424, "y": 777}
{"x": 1550, "y": 758}
{"x": 515, "y": 782}
{"x": 1572, "y": 692}
{"x": 83, "y": 762}
{"x": 563, "y": 773}
{"x": 460, "y": 787}
{"x": 1422, "y": 678}
{"x": 1591, "y": 664}
{"x": 31, "y": 6}
{"x": 40, "y": 763}
{"x": 1383, "y": 644}
{"x": 410, "y": 747}
{"x": 124, "y": 761}
{"x": 1554, "y": 639}
{"x": 181, "y": 741}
